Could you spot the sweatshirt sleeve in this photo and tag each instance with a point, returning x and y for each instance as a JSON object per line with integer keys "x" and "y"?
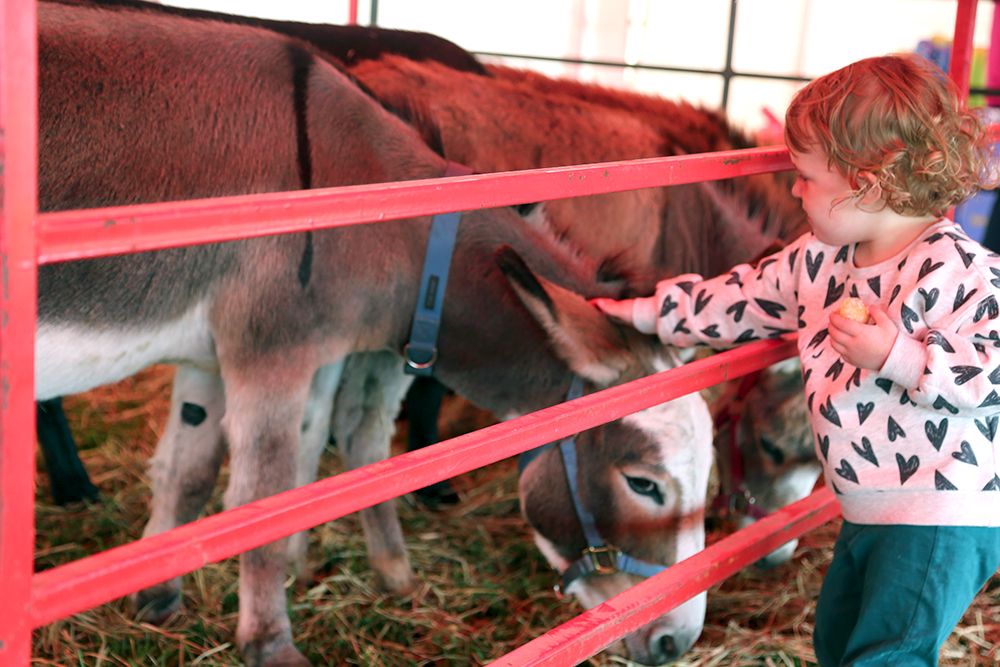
{"x": 749, "y": 302}
{"x": 957, "y": 369}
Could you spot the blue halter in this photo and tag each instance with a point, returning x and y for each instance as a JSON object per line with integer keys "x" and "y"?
{"x": 421, "y": 352}
{"x": 598, "y": 557}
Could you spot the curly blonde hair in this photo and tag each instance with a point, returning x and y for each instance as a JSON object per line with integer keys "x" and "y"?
{"x": 901, "y": 119}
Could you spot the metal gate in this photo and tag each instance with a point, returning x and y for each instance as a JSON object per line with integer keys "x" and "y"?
{"x": 28, "y": 239}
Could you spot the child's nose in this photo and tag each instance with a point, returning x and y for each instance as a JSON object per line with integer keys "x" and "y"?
{"x": 797, "y": 189}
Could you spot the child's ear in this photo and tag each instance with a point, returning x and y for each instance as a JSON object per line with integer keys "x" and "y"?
{"x": 868, "y": 186}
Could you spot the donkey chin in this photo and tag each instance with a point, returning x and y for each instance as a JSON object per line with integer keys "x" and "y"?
{"x": 657, "y": 643}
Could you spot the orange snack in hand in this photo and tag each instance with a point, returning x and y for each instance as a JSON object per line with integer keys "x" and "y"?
{"x": 854, "y": 309}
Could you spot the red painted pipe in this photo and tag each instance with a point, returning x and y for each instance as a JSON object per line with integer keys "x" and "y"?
{"x": 97, "y": 232}
{"x": 18, "y": 301}
{"x": 91, "y": 581}
{"x": 587, "y": 634}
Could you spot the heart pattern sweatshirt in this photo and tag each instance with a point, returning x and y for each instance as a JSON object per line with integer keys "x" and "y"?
{"x": 912, "y": 443}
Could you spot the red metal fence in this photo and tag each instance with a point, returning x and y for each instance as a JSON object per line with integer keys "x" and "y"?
{"x": 28, "y": 239}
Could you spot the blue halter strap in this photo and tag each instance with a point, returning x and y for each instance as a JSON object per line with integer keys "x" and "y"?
{"x": 421, "y": 351}
{"x": 599, "y": 557}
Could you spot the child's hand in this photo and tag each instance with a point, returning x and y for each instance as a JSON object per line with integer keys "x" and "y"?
{"x": 619, "y": 310}
{"x": 860, "y": 344}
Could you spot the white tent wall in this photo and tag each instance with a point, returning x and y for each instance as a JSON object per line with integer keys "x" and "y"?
{"x": 781, "y": 37}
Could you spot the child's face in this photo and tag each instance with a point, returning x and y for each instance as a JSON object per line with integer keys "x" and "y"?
{"x": 829, "y": 202}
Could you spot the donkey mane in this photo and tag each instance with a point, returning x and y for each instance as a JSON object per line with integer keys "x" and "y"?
{"x": 348, "y": 43}
{"x": 687, "y": 128}
{"x": 749, "y": 214}
{"x": 752, "y": 213}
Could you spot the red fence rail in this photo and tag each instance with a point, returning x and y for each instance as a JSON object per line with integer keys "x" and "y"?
{"x": 31, "y": 599}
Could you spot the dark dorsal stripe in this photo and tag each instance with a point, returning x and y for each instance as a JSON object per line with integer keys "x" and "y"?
{"x": 306, "y": 263}
{"x": 302, "y": 62}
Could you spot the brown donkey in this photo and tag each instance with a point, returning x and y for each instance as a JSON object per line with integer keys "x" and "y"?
{"x": 137, "y": 107}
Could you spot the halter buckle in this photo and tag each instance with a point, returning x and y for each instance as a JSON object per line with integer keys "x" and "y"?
{"x": 419, "y": 365}
{"x": 742, "y": 500}
{"x": 604, "y": 559}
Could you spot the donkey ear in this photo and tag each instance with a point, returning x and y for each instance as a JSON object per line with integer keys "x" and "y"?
{"x": 593, "y": 346}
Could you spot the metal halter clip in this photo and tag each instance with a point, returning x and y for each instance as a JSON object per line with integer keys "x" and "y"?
{"x": 742, "y": 500}
{"x": 419, "y": 365}
{"x": 603, "y": 558}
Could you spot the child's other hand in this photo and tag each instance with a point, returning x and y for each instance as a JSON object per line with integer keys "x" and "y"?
{"x": 860, "y": 344}
{"x": 619, "y": 310}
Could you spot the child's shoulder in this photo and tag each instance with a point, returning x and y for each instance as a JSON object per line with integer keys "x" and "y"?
{"x": 963, "y": 272}
{"x": 952, "y": 249}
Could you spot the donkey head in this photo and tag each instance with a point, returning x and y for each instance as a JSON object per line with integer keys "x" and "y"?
{"x": 776, "y": 445}
{"x": 642, "y": 478}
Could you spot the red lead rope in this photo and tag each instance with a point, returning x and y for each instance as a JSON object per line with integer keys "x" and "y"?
{"x": 734, "y": 497}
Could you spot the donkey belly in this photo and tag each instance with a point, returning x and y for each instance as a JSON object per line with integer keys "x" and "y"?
{"x": 70, "y": 357}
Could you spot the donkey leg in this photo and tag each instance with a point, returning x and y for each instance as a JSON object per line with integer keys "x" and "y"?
{"x": 67, "y": 475}
{"x": 423, "y": 407}
{"x": 364, "y": 420}
{"x": 262, "y": 424}
{"x": 183, "y": 472}
{"x": 314, "y": 436}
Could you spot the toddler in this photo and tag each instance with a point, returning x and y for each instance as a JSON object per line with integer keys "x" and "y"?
{"x": 905, "y": 406}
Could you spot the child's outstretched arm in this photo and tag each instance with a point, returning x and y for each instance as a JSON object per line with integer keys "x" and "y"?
{"x": 749, "y": 302}
{"x": 624, "y": 311}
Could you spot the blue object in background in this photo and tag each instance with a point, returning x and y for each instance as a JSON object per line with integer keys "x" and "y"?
{"x": 973, "y": 215}
{"x": 938, "y": 53}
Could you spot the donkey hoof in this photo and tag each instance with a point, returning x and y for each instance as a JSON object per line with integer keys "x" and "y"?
{"x": 395, "y": 575}
{"x": 155, "y": 605}
{"x": 263, "y": 653}
{"x": 437, "y": 495}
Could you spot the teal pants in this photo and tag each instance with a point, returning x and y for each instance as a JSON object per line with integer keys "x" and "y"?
{"x": 893, "y": 594}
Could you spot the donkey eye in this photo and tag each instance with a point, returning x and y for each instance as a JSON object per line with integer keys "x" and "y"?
{"x": 771, "y": 450}
{"x": 645, "y": 487}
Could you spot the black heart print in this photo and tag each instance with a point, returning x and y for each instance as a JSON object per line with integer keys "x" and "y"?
{"x": 961, "y": 297}
{"x": 965, "y": 373}
{"x": 937, "y": 338}
{"x": 668, "y": 305}
{"x": 830, "y": 412}
{"x": 967, "y": 257}
{"x": 906, "y": 467}
{"x": 990, "y": 401}
{"x": 846, "y": 471}
{"x": 701, "y": 301}
{"x": 736, "y": 310}
{"x": 894, "y": 430}
{"x": 941, "y": 483}
{"x": 865, "y": 451}
{"x": 833, "y": 292}
{"x": 940, "y": 403}
{"x": 930, "y": 298}
{"x": 989, "y": 428}
{"x": 875, "y": 285}
{"x": 813, "y": 264}
{"x": 936, "y": 434}
{"x": 965, "y": 454}
{"x": 772, "y": 308}
{"x": 927, "y": 268}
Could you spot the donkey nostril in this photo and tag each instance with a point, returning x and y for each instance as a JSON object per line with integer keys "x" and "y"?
{"x": 668, "y": 648}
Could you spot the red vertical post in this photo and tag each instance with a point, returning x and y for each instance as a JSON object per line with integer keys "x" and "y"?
{"x": 961, "y": 46}
{"x": 18, "y": 308}
{"x": 352, "y": 12}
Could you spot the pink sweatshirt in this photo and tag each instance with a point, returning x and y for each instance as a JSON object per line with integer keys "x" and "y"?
{"x": 913, "y": 443}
